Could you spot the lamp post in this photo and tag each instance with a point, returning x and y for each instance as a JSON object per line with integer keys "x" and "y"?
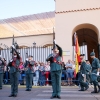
{"x": 34, "y": 44}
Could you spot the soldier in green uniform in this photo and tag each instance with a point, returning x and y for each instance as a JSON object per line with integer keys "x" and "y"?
{"x": 2, "y": 65}
{"x": 56, "y": 70}
{"x": 82, "y": 80}
{"x": 29, "y": 64}
{"x": 95, "y": 72}
{"x": 14, "y": 69}
{"x": 89, "y": 68}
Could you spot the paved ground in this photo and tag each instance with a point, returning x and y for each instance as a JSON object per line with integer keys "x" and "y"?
{"x": 44, "y": 93}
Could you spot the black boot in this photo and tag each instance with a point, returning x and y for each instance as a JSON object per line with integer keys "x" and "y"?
{"x": 99, "y": 87}
{"x": 96, "y": 90}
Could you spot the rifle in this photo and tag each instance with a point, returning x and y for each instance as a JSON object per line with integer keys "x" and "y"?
{"x": 13, "y": 49}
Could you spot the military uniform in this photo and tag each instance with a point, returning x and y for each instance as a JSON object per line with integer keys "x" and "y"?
{"x": 29, "y": 74}
{"x": 14, "y": 69}
{"x": 82, "y": 80}
{"x": 88, "y": 72}
{"x": 56, "y": 72}
{"x": 1, "y": 72}
{"x": 95, "y": 67}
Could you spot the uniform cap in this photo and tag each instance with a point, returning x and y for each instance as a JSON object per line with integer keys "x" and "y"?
{"x": 92, "y": 54}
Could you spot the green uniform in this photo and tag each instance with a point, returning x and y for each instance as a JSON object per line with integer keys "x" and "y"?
{"x": 88, "y": 70}
{"x": 14, "y": 75}
{"x": 56, "y": 71}
{"x": 82, "y": 80}
{"x": 29, "y": 73}
{"x": 95, "y": 66}
{"x": 1, "y": 72}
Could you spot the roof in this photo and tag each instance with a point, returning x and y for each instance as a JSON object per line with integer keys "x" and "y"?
{"x": 42, "y": 23}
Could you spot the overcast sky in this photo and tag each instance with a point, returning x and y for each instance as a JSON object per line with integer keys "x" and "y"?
{"x": 15, "y": 8}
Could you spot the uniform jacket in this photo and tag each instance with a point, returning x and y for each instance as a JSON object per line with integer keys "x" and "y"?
{"x": 54, "y": 66}
{"x": 95, "y": 65}
{"x": 29, "y": 67}
{"x": 2, "y": 64}
{"x": 83, "y": 67}
{"x": 14, "y": 67}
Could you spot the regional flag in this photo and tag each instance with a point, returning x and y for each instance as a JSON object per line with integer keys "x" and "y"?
{"x": 77, "y": 51}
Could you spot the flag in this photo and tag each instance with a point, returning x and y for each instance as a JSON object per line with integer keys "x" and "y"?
{"x": 77, "y": 51}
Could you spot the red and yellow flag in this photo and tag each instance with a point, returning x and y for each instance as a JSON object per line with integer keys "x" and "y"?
{"x": 77, "y": 53}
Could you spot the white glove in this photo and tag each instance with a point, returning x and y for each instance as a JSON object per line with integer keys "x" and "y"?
{"x": 26, "y": 59}
{"x": 83, "y": 75}
{"x": 11, "y": 60}
{"x": 97, "y": 73}
{"x": 13, "y": 46}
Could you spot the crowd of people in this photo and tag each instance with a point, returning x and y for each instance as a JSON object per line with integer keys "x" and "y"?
{"x": 41, "y": 73}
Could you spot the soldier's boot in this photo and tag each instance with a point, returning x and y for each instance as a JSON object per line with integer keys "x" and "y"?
{"x": 96, "y": 89}
{"x": 82, "y": 89}
{"x": 99, "y": 87}
{"x": 86, "y": 86}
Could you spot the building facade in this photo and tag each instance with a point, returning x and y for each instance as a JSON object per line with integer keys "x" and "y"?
{"x": 82, "y": 17}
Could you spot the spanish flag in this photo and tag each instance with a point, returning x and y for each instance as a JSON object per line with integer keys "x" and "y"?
{"x": 77, "y": 53}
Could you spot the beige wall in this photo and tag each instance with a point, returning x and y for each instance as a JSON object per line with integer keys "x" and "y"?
{"x": 66, "y": 23}
{"x": 62, "y": 5}
{"x": 29, "y": 40}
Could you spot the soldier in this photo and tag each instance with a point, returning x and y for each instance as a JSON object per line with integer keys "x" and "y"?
{"x": 82, "y": 80}
{"x": 2, "y": 65}
{"x": 95, "y": 72}
{"x": 29, "y": 64}
{"x": 56, "y": 70}
{"x": 14, "y": 69}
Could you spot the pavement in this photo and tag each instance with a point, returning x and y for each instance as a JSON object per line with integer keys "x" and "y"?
{"x": 44, "y": 93}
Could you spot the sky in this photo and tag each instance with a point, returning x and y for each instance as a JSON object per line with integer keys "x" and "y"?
{"x": 15, "y": 8}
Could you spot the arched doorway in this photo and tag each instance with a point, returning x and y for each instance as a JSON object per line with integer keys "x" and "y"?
{"x": 89, "y": 37}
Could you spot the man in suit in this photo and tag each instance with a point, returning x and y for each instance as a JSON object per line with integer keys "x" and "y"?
{"x": 56, "y": 70}
{"x": 29, "y": 64}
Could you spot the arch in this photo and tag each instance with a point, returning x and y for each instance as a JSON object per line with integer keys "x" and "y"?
{"x": 47, "y": 45}
{"x": 86, "y": 25}
{"x": 88, "y": 34}
{"x": 23, "y": 46}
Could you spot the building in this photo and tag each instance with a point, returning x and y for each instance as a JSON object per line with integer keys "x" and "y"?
{"x": 82, "y": 17}
{"x": 28, "y": 29}
{"x": 70, "y": 16}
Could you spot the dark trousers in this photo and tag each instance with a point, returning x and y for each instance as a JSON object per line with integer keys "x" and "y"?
{"x": 56, "y": 82}
{"x": 29, "y": 78}
{"x": 14, "y": 83}
{"x": 1, "y": 79}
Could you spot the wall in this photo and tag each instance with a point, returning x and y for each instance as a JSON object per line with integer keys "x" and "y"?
{"x": 66, "y": 22}
{"x": 29, "y": 40}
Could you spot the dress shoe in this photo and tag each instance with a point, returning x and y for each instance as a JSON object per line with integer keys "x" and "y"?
{"x": 52, "y": 97}
{"x": 0, "y": 88}
{"x": 81, "y": 90}
{"x": 86, "y": 88}
{"x": 58, "y": 97}
{"x": 11, "y": 95}
{"x": 15, "y": 95}
{"x": 27, "y": 90}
